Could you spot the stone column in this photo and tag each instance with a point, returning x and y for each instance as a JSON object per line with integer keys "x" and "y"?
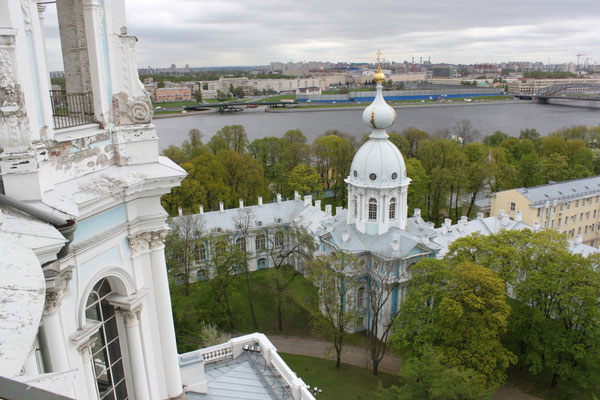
{"x": 85, "y": 349}
{"x": 165, "y": 315}
{"x": 136, "y": 354}
{"x": 51, "y": 330}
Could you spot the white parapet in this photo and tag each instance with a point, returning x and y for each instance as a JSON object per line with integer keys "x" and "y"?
{"x": 192, "y": 364}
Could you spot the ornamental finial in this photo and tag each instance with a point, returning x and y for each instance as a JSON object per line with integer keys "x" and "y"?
{"x": 379, "y": 76}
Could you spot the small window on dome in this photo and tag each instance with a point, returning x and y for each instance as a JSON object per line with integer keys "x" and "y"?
{"x": 355, "y": 173}
{"x": 394, "y": 176}
{"x": 372, "y": 177}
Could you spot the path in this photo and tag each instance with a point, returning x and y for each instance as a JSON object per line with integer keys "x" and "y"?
{"x": 358, "y": 356}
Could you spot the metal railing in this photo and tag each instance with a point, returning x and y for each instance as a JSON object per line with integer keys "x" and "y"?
{"x": 72, "y": 109}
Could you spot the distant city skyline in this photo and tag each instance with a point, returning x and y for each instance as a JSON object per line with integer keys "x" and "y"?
{"x": 236, "y": 32}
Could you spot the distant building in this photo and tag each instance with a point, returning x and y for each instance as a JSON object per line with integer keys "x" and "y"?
{"x": 532, "y": 86}
{"x": 443, "y": 71}
{"x": 177, "y": 93}
{"x": 570, "y": 207}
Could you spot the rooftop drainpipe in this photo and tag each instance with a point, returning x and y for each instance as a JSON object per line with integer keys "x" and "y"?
{"x": 65, "y": 227}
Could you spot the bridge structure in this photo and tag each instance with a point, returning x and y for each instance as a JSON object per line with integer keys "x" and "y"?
{"x": 239, "y": 106}
{"x": 569, "y": 91}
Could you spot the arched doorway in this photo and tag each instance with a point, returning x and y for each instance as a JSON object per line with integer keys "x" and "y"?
{"x": 107, "y": 361}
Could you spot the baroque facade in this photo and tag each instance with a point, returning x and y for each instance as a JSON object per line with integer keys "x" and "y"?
{"x": 86, "y": 309}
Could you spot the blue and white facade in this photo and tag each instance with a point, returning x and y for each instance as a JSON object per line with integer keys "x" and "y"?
{"x": 83, "y": 167}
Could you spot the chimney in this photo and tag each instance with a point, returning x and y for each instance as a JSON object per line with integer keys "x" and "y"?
{"x": 464, "y": 219}
{"x": 430, "y": 225}
{"x": 338, "y": 210}
{"x": 296, "y": 195}
{"x": 318, "y": 204}
{"x": 180, "y": 211}
{"x": 307, "y": 200}
{"x": 536, "y": 226}
{"x": 201, "y": 209}
{"x": 345, "y": 236}
{"x": 500, "y": 214}
{"x": 505, "y": 220}
{"x": 448, "y": 222}
{"x": 444, "y": 229}
{"x": 519, "y": 216}
{"x": 221, "y": 207}
{"x": 579, "y": 239}
{"x": 279, "y": 198}
{"x": 328, "y": 209}
{"x": 260, "y": 203}
{"x": 417, "y": 212}
{"x": 241, "y": 203}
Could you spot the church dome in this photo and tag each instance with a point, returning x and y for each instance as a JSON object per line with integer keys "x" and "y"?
{"x": 378, "y": 163}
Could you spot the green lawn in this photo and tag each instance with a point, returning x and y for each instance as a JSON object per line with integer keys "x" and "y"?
{"x": 279, "y": 98}
{"x": 171, "y": 104}
{"x": 345, "y": 383}
{"x": 201, "y": 306}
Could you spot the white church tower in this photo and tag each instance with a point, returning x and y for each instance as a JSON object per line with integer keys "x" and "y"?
{"x": 377, "y": 185}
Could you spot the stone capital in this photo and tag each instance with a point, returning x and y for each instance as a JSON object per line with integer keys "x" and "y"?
{"x": 139, "y": 243}
{"x": 57, "y": 288}
{"x": 158, "y": 239}
{"x": 130, "y": 317}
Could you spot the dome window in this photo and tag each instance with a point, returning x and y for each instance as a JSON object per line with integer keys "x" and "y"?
{"x": 355, "y": 173}
{"x": 372, "y": 210}
{"x": 394, "y": 176}
{"x": 393, "y": 208}
{"x": 372, "y": 177}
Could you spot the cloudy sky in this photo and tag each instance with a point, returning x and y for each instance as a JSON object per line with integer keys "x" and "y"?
{"x": 256, "y": 32}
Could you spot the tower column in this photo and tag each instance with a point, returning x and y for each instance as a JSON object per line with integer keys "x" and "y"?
{"x": 136, "y": 354}
{"x": 165, "y": 315}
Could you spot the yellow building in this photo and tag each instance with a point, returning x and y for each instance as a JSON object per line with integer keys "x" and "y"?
{"x": 570, "y": 207}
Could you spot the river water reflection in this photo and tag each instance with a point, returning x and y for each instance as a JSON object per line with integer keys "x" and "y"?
{"x": 487, "y": 118}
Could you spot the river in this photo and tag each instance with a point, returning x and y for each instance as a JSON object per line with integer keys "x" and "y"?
{"x": 509, "y": 118}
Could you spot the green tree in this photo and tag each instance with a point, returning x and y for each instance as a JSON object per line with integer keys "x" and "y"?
{"x": 290, "y": 250}
{"x": 303, "y": 179}
{"x": 198, "y": 96}
{"x": 473, "y": 314}
{"x": 243, "y": 222}
{"x": 205, "y": 86}
{"x": 267, "y": 151}
{"x": 230, "y": 137}
{"x": 182, "y": 242}
{"x": 193, "y": 146}
{"x": 244, "y": 177}
{"x": 529, "y": 133}
{"x": 478, "y": 172}
{"x": 414, "y": 137}
{"x": 417, "y": 195}
{"x": 333, "y": 275}
{"x": 495, "y": 139}
{"x": 417, "y": 324}
{"x": 175, "y": 154}
{"x": 400, "y": 142}
{"x": 295, "y": 149}
{"x": 430, "y": 378}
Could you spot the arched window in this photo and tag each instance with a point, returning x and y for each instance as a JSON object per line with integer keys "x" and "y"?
{"x": 355, "y": 207}
{"x": 241, "y": 243}
{"x": 360, "y": 297}
{"x": 202, "y": 253}
{"x": 106, "y": 358}
{"x": 278, "y": 239}
{"x": 393, "y": 208}
{"x": 261, "y": 242}
{"x": 372, "y": 210}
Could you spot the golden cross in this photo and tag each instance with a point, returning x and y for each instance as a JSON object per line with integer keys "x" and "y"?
{"x": 378, "y": 55}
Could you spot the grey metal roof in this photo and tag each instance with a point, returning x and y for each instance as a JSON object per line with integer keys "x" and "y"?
{"x": 396, "y": 243}
{"x": 243, "y": 378}
{"x": 562, "y": 191}
{"x": 264, "y": 215}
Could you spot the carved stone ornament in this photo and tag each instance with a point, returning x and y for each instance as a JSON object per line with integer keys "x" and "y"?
{"x": 140, "y": 243}
{"x": 158, "y": 239}
{"x": 14, "y": 124}
{"x": 130, "y": 317}
{"x": 53, "y": 301}
{"x": 140, "y": 111}
{"x": 26, "y": 7}
{"x": 85, "y": 348}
